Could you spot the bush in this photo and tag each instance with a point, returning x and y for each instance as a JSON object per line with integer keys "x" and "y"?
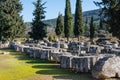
{"x": 50, "y": 38}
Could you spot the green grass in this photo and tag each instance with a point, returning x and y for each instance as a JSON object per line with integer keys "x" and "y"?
{"x": 17, "y": 66}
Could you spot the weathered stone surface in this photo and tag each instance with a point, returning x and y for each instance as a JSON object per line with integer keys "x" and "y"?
{"x": 45, "y": 54}
{"x": 75, "y": 45}
{"x": 106, "y": 68}
{"x": 63, "y": 45}
{"x": 4, "y": 45}
{"x": 55, "y": 56}
{"x": 83, "y": 64}
{"x": 116, "y": 51}
{"x": 94, "y": 49}
{"x": 66, "y": 61}
{"x": 56, "y": 45}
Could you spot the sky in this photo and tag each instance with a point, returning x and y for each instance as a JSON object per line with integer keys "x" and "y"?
{"x": 53, "y": 7}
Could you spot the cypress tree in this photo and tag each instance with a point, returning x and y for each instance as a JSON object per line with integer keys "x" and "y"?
{"x": 38, "y": 26}
{"x": 78, "y": 25}
{"x": 68, "y": 25}
{"x": 92, "y": 29}
{"x": 11, "y": 22}
{"x": 59, "y": 25}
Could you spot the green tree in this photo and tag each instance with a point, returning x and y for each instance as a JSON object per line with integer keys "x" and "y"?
{"x": 59, "y": 25}
{"x": 11, "y": 23}
{"x": 111, "y": 11}
{"x": 68, "y": 25}
{"x": 78, "y": 25}
{"x": 86, "y": 25}
{"x": 101, "y": 24}
{"x": 38, "y": 26}
{"x": 92, "y": 29}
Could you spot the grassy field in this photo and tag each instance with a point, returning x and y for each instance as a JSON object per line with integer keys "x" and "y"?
{"x": 17, "y": 66}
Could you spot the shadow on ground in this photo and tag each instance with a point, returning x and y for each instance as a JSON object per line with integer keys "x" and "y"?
{"x": 6, "y": 49}
{"x": 51, "y": 72}
{"x": 49, "y": 66}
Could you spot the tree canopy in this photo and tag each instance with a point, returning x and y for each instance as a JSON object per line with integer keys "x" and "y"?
{"x": 111, "y": 11}
{"x": 78, "y": 25}
{"x": 11, "y": 23}
{"x": 59, "y": 25}
{"x": 92, "y": 28}
{"x": 68, "y": 20}
{"x": 38, "y": 26}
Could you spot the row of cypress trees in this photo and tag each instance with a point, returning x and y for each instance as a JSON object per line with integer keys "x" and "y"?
{"x": 78, "y": 28}
{"x": 39, "y": 27}
{"x": 68, "y": 21}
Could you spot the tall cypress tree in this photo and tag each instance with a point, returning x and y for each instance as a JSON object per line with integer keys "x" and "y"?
{"x": 11, "y": 22}
{"x": 92, "y": 29}
{"x": 59, "y": 25}
{"x": 68, "y": 25}
{"x": 38, "y": 26}
{"x": 78, "y": 25}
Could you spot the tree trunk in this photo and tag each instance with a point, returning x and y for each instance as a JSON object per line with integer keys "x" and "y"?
{"x": 59, "y": 37}
{"x": 78, "y": 38}
{"x": 92, "y": 41}
{"x": 67, "y": 38}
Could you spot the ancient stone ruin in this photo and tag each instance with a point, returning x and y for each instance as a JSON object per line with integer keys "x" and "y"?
{"x": 77, "y": 56}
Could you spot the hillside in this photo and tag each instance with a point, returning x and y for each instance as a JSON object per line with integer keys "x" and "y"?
{"x": 52, "y": 22}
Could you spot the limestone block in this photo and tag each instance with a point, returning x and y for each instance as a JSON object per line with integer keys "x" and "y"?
{"x": 106, "y": 68}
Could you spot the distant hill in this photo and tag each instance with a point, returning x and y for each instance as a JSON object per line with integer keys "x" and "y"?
{"x": 94, "y": 13}
{"x": 52, "y": 22}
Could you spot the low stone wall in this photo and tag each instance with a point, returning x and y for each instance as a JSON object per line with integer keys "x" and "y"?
{"x": 66, "y": 59}
{"x": 81, "y": 64}
{"x": 5, "y": 45}
{"x": 84, "y": 64}
{"x": 52, "y": 54}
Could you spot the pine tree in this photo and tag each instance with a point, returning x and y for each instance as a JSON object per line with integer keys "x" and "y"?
{"x": 68, "y": 25}
{"x": 111, "y": 11}
{"x": 38, "y": 26}
{"x": 92, "y": 29}
{"x": 11, "y": 22}
{"x": 78, "y": 25}
{"x": 59, "y": 25}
